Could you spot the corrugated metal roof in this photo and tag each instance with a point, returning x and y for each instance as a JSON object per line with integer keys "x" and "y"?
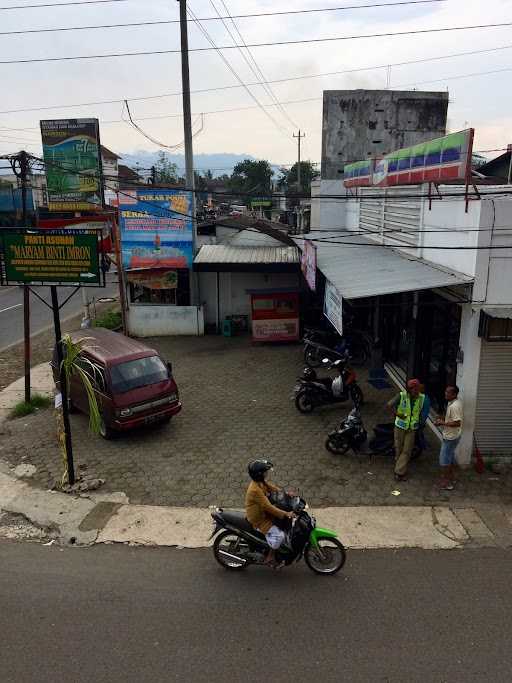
{"x": 223, "y": 253}
{"x": 370, "y": 270}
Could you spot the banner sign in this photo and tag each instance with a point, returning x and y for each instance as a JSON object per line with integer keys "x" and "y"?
{"x": 442, "y": 160}
{"x": 358, "y": 174}
{"x": 333, "y": 307}
{"x": 308, "y": 264}
{"x": 156, "y": 228}
{"x": 71, "y": 151}
{"x": 50, "y": 257}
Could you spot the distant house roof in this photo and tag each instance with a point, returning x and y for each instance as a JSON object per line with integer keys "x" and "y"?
{"x": 108, "y": 154}
{"x": 127, "y": 173}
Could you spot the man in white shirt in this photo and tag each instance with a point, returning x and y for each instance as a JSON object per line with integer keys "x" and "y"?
{"x": 451, "y": 430}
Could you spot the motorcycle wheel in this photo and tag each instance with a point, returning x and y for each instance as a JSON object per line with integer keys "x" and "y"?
{"x": 303, "y": 403}
{"x": 336, "y": 449}
{"x": 229, "y": 542}
{"x": 356, "y": 395}
{"x": 311, "y": 358}
{"x": 329, "y": 560}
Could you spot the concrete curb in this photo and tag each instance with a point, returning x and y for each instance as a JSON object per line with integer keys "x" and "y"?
{"x": 108, "y": 518}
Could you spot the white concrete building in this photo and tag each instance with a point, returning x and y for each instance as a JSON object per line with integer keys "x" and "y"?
{"x": 434, "y": 283}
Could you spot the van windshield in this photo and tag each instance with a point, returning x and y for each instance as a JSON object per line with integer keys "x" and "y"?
{"x": 137, "y": 373}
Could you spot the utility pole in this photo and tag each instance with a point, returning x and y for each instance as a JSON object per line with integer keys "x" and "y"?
{"x": 299, "y": 138}
{"x": 187, "y": 128}
{"x": 24, "y": 168}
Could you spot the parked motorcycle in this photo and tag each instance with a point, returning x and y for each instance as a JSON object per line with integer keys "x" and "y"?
{"x": 312, "y": 391}
{"x": 239, "y": 545}
{"x": 320, "y": 344}
{"x": 350, "y": 434}
{"x": 382, "y": 442}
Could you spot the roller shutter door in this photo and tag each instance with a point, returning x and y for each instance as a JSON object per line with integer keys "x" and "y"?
{"x": 494, "y": 404}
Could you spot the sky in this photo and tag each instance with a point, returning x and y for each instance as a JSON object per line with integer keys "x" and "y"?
{"x": 260, "y": 130}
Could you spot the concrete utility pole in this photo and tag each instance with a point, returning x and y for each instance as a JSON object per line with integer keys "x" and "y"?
{"x": 187, "y": 129}
{"x": 299, "y": 138}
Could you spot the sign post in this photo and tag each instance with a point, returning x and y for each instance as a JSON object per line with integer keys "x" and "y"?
{"x": 56, "y": 258}
{"x": 333, "y": 307}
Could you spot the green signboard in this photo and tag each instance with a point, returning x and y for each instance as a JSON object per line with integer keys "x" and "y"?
{"x": 71, "y": 150}
{"x": 50, "y": 257}
{"x": 261, "y": 202}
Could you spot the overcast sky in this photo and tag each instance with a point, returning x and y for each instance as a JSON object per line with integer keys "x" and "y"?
{"x": 480, "y": 101}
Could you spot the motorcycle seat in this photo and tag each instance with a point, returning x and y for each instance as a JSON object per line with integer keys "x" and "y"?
{"x": 238, "y": 520}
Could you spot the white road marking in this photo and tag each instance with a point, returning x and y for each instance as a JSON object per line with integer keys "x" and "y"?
{"x": 10, "y": 308}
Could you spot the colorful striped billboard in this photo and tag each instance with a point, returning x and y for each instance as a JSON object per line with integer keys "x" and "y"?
{"x": 358, "y": 174}
{"x": 442, "y": 160}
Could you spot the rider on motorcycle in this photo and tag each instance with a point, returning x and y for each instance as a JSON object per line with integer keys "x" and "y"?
{"x": 259, "y": 510}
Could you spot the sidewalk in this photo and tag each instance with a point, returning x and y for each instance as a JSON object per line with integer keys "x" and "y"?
{"x": 105, "y": 518}
{"x": 173, "y": 475}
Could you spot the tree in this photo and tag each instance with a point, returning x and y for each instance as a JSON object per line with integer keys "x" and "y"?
{"x": 200, "y": 182}
{"x": 252, "y": 177}
{"x": 289, "y": 178}
{"x": 166, "y": 171}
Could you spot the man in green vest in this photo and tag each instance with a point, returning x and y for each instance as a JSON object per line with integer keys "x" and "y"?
{"x": 409, "y": 417}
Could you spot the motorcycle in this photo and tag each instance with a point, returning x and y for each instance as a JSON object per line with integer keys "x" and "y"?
{"x": 319, "y": 344}
{"x": 239, "y": 545}
{"x": 350, "y": 434}
{"x": 382, "y": 442}
{"x": 312, "y": 391}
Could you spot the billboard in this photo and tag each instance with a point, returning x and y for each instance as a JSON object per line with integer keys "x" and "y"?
{"x": 308, "y": 264}
{"x": 443, "y": 160}
{"x": 333, "y": 307}
{"x": 156, "y": 228}
{"x": 50, "y": 257}
{"x": 11, "y": 199}
{"x": 71, "y": 151}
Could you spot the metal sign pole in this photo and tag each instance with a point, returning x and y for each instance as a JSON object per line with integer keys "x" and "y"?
{"x": 63, "y": 386}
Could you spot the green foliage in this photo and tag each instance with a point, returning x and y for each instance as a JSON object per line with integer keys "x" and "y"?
{"x": 37, "y": 402}
{"x": 77, "y": 365}
{"x": 166, "y": 171}
{"x": 252, "y": 177}
{"x": 288, "y": 180}
{"x": 110, "y": 319}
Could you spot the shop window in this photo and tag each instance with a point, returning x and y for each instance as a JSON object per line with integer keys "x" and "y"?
{"x": 145, "y": 295}
{"x": 495, "y": 329}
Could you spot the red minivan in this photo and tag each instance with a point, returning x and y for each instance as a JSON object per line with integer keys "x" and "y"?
{"x": 133, "y": 385}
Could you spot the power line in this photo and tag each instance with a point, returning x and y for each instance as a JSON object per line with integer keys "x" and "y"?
{"x": 261, "y": 75}
{"x": 269, "y": 44}
{"x": 176, "y": 21}
{"x": 274, "y": 81}
{"x": 230, "y": 67}
{"x": 455, "y": 195}
{"x": 61, "y": 4}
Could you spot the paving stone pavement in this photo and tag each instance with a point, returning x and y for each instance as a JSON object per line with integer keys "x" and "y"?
{"x": 236, "y": 406}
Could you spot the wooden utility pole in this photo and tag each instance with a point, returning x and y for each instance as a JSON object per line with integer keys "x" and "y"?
{"x": 24, "y": 168}
{"x": 187, "y": 129}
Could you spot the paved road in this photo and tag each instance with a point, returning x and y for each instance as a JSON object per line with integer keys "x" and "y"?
{"x": 115, "y": 613}
{"x": 11, "y": 308}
